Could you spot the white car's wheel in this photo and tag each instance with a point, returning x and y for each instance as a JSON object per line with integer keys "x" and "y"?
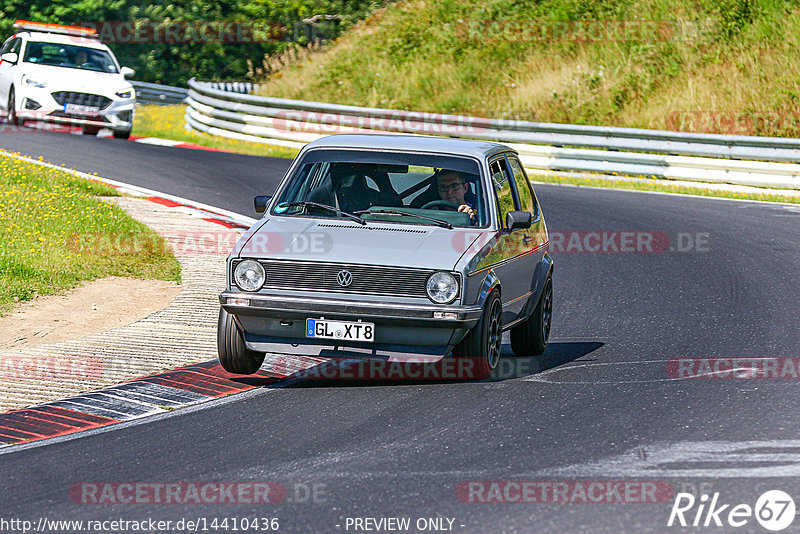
{"x": 11, "y": 114}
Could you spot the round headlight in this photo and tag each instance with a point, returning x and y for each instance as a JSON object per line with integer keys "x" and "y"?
{"x": 442, "y": 287}
{"x": 249, "y": 275}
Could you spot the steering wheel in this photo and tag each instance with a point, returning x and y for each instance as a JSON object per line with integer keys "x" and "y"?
{"x": 440, "y": 205}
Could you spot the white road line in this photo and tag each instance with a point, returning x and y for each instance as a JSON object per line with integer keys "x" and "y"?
{"x": 732, "y": 459}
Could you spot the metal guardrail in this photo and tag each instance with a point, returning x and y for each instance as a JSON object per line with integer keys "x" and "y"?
{"x": 154, "y": 93}
{"x": 742, "y": 160}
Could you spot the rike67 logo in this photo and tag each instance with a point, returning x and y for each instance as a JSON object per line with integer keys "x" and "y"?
{"x": 774, "y": 510}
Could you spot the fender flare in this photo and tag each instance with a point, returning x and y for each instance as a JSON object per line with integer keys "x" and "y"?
{"x": 490, "y": 282}
{"x": 543, "y": 269}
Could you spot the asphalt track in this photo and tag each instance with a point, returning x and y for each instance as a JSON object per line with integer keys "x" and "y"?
{"x": 600, "y": 405}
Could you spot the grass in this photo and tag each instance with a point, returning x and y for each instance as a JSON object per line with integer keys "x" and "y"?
{"x": 166, "y": 122}
{"x": 725, "y": 66}
{"x": 663, "y": 186}
{"x": 50, "y": 222}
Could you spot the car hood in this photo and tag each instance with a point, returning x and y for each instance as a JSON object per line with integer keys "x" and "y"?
{"x": 342, "y": 241}
{"x": 65, "y": 79}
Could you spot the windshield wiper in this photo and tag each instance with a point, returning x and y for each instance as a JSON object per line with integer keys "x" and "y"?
{"x": 440, "y": 222}
{"x": 307, "y": 203}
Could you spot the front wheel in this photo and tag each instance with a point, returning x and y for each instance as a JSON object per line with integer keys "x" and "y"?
{"x": 11, "y": 114}
{"x": 122, "y": 134}
{"x": 530, "y": 337}
{"x": 234, "y": 355}
{"x": 482, "y": 344}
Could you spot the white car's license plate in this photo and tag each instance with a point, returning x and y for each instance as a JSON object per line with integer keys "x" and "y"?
{"x": 344, "y": 331}
{"x": 81, "y": 110}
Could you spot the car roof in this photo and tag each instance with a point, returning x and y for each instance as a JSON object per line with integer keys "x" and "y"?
{"x": 57, "y": 38}
{"x": 411, "y": 143}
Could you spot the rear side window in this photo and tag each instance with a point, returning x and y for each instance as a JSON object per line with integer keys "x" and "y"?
{"x": 502, "y": 188}
{"x": 524, "y": 191}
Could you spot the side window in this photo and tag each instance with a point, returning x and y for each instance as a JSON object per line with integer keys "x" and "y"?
{"x": 524, "y": 190}
{"x": 6, "y": 46}
{"x": 502, "y": 188}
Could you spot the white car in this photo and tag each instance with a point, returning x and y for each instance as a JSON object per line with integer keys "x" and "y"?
{"x": 64, "y": 74}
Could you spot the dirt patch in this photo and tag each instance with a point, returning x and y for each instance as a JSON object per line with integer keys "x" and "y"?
{"x": 94, "y": 307}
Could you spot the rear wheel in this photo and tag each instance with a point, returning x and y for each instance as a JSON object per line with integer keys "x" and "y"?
{"x": 483, "y": 342}
{"x": 234, "y": 355}
{"x": 530, "y": 337}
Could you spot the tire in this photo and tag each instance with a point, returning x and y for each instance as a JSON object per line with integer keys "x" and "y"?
{"x": 122, "y": 134}
{"x": 234, "y": 356}
{"x": 483, "y": 342}
{"x": 11, "y": 113}
{"x": 530, "y": 337}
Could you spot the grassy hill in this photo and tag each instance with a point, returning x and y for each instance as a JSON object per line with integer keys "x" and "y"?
{"x": 728, "y": 66}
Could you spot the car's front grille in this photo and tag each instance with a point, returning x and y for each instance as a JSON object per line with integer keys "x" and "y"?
{"x": 81, "y": 99}
{"x": 366, "y": 279}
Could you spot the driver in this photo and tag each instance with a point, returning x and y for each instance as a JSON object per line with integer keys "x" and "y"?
{"x": 452, "y": 187}
{"x": 80, "y": 58}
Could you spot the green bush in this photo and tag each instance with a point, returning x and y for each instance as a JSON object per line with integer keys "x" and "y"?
{"x": 175, "y": 63}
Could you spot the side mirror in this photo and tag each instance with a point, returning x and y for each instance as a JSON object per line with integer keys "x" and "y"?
{"x": 11, "y": 57}
{"x": 126, "y": 72}
{"x": 260, "y": 203}
{"x": 518, "y": 219}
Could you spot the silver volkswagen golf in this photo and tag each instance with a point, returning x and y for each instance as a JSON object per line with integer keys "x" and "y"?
{"x": 391, "y": 246}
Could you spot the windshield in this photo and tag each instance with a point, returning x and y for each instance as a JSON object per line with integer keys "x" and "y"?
{"x": 388, "y": 187}
{"x": 70, "y": 56}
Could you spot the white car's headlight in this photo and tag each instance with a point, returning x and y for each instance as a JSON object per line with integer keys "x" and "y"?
{"x": 442, "y": 287}
{"x": 126, "y": 93}
{"x": 249, "y": 275}
{"x": 27, "y": 81}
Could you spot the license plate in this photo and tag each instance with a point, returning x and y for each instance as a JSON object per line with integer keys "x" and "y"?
{"x": 344, "y": 331}
{"x": 81, "y": 110}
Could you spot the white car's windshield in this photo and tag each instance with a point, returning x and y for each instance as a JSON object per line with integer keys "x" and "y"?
{"x": 377, "y": 186}
{"x": 70, "y": 56}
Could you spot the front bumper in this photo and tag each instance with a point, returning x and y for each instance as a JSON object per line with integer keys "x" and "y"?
{"x": 118, "y": 115}
{"x": 273, "y": 323}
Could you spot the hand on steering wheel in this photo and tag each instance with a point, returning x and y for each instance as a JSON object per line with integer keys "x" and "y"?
{"x": 440, "y": 205}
